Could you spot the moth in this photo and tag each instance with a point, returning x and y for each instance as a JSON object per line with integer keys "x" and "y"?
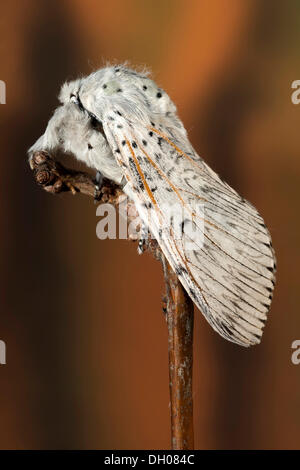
{"x": 119, "y": 122}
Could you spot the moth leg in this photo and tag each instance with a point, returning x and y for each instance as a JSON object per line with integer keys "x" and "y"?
{"x": 143, "y": 239}
{"x": 71, "y": 187}
{"x": 98, "y": 186}
{"x": 165, "y": 305}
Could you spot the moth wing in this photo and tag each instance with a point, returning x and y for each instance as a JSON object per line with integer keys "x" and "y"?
{"x": 228, "y": 267}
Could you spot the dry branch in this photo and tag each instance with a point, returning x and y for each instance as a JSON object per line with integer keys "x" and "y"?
{"x": 180, "y": 319}
{"x": 55, "y": 178}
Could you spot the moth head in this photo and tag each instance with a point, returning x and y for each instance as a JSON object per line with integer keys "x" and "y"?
{"x": 74, "y": 130}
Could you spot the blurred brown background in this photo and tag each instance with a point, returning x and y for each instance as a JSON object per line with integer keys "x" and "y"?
{"x": 86, "y": 339}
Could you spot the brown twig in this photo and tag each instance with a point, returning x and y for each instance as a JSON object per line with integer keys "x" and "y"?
{"x": 55, "y": 178}
{"x": 180, "y": 320}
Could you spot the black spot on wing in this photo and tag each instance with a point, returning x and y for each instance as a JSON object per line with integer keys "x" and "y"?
{"x": 179, "y": 270}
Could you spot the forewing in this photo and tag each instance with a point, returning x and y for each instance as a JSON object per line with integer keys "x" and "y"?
{"x": 229, "y": 271}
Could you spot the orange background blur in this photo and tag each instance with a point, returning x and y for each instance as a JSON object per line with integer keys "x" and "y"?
{"x": 81, "y": 318}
